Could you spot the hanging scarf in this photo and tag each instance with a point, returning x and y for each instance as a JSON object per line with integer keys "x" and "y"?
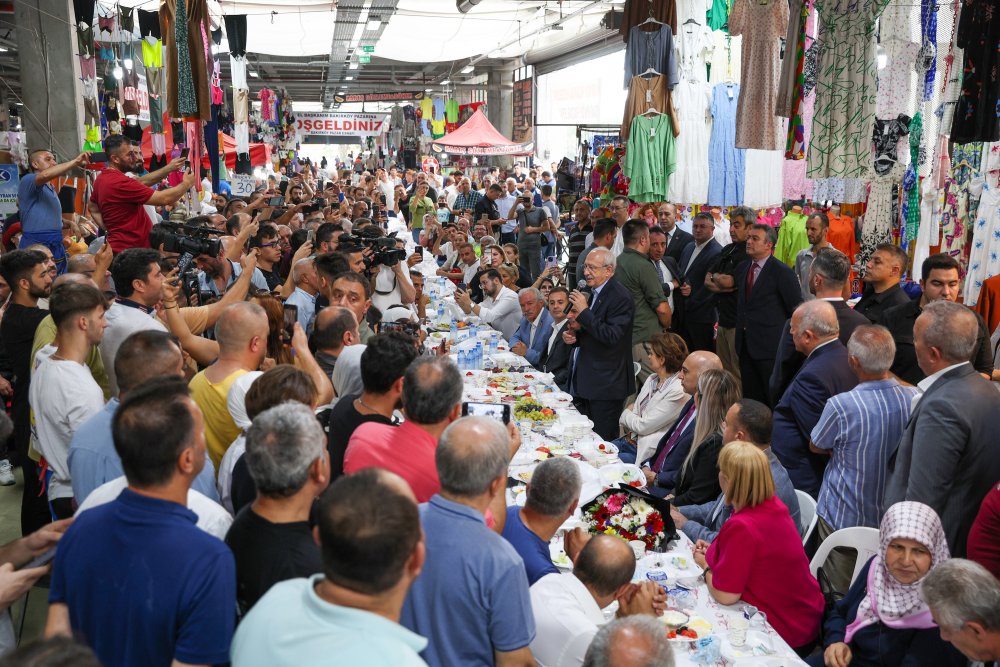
{"x": 887, "y": 601}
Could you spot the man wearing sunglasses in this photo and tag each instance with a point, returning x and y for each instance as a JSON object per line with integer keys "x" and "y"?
{"x": 268, "y": 254}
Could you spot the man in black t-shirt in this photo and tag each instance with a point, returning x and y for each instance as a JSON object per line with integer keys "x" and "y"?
{"x": 268, "y": 255}
{"x": 271, "y": 538}
{"x": 29, "y": 275}
{"x": 721, "y": 280}
{"x": 383, "y": 364}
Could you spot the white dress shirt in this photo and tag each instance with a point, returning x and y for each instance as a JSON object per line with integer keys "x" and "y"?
{"x": 929, "y": 381}
{"x": 556, "y": 332}
{"x": 698, "y": 247}
{"x": 566, "y": 619}
{"x": 666, "y": 278}
{"x": 502, "y": 313}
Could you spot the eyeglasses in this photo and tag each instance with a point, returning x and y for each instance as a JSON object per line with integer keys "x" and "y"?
{"x": 269, "y": 245}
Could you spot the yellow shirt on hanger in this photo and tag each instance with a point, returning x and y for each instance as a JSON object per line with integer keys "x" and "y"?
{"x": 152, "y": 54}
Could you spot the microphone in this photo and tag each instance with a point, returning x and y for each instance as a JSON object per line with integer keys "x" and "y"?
{"x": 586, "y": 291}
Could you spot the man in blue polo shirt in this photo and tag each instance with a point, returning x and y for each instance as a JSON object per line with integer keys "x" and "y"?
{"x": 471, "y": 601}
{"x": 38, "y": 203}
{"x": 143, "y": 356}
{"x": 136, "y": 579}
{"x": 553, "y": 494}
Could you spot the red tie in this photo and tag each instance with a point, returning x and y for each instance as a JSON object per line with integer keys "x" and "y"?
{"x": 752, "y": 278}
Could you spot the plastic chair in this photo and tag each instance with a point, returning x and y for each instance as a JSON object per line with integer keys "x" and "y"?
{"x": 864, "y": 540}
{"x": 807, "y": 515}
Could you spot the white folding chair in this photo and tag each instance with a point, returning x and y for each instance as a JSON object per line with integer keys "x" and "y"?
{"x": 864, "y": 540}
{"x": 807, "y": 515}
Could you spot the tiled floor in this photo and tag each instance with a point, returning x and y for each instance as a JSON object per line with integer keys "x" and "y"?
{"x": 10, "y": 529}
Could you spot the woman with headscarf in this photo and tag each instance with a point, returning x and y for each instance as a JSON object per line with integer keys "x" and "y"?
{"x": 883, "y": 620}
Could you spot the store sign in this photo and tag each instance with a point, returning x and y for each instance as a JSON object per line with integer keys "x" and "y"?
{"x": 340, "y": 124}
{"x": 243, "y": 185}
{"x": 485, "y": 151}
{"x": 524, "y": 110}
{"x": 8, "y": 188}
{"x": 396, "y": 96}
{"x": 368, "y": 48}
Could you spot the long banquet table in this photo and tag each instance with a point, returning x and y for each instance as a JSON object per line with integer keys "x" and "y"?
{"x": 571, "y": 434}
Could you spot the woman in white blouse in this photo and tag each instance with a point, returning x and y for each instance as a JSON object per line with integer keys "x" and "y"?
{"x": 659, "y": 402}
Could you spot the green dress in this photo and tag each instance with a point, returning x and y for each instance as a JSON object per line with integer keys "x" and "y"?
{"x": 718, "y": 15}
{"x": 650, "y": 158}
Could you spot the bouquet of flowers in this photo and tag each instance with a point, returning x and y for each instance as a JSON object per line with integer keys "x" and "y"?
{"x": 631, "y": 515}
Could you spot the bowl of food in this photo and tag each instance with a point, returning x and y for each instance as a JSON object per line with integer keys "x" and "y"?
{"x": 626, "y": 473}
{"x": 529, "y": 409}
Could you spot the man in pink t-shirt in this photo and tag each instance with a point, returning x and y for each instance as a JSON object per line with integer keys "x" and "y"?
{"x": 121, "y": 198}
{"x": 432, "y": 399}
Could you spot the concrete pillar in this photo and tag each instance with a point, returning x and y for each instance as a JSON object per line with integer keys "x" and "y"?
{"x": 50, "y": 84}
{"x": 500, "y": 106}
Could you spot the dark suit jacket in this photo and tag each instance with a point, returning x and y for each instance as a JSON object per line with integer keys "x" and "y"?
{"x": 557, "y": 362}
{"x": 949, "y": 454}
{"x": 666, "y": 476}
{"x": 699, "y": 480}
{"x": 824, "y": 374}
{"x": 604, "y": 366}
{"x": 789, "y": 360}
{"x": 775, "y": 295}
{"x": 678, "y": 242}
{"x": 699, "y": 306}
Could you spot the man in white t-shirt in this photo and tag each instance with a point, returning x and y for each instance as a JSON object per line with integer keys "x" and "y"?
{"x": 500, "y": 308}
{"x": 63, "y": 393}
{"x": 139, "y": 283}
{"x": 568, "y": 606}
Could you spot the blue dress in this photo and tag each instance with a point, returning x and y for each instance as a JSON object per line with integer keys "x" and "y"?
{"x": 726, "y": 170}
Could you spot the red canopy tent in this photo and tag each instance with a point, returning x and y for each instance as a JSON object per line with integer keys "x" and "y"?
{"x": 260, "y": 154}
{"x": 477, "y": 136}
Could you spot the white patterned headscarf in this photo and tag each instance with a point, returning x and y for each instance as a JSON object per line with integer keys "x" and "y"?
{"x": 888, "y": 601}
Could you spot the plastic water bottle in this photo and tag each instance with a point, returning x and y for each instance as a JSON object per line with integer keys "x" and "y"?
{"x": 440, "y": 311}
{"x": 463, "y": 361}
{"x": 453, "y": 331}
{"x": 479, "y": 354}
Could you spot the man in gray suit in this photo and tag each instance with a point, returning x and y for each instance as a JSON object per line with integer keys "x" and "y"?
{"x": 949, "y": 456}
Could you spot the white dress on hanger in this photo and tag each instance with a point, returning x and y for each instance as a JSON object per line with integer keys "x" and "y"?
{"x": 692, "y": 103}
{"x": 765, "y": 178}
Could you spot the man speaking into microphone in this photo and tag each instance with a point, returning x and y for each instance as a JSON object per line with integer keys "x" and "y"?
{"x": 601, "y": 331}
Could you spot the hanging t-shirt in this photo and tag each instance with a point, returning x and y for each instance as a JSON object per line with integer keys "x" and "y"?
{"x": 438, "y": 105}
{"x": 437, "y": 128}
{"x": 451, "y": 111}
{"x": 426, "y": 108}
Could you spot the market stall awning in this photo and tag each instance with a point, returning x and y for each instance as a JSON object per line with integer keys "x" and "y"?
{"x": 477, "y": 136}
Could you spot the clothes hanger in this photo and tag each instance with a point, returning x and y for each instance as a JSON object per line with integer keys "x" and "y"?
{"x": 690, "y": 21}
{"x": 650, "y": 70}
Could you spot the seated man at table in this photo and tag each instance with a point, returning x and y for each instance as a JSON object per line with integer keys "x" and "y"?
{"x": 471, "y": 601}
{"x": 568, "y": 606}
{"x": 500, "y": 309}
{"x": 635, "y": 641}
{"x": 432, "y": 399}
{"x": 532, "y": 336}
{"x": 553, "y": 495}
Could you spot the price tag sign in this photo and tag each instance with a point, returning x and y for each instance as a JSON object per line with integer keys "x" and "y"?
{"x": 243, "y": 185}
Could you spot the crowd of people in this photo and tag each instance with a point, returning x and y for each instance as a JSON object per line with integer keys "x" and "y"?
{"x": 229, "y": 421}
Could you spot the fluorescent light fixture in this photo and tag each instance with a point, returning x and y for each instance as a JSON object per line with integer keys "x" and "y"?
{"x": 446, "y": 82}
{"x": 128, "y": 63}
{"x": 117, "y": 72}
{"x": 3, "y": 49}
{"x": 348, "y": 78}
{"x": 374, "y": 23}
{"x": 468, "y": 69}
{"x": 254, "y": 74}
{"x": 428, "y": 90}
{"x": 352, "y": 66}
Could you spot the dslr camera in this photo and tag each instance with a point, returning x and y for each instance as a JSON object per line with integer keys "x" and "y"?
{"x": 190, "y": 241}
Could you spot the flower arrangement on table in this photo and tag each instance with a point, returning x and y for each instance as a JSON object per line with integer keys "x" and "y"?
{"x": 629, "y": 515}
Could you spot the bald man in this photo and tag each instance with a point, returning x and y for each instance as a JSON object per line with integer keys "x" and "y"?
{"x": 568, "y": 606}
{"x": 38, "y": 203}
{"x": 824, "y": 374}
{"x": 242, "y": 336}
{"x": 664, "y": 465}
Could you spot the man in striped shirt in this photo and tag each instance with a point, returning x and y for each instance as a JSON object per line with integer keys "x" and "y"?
{"x": 859, "y": 429}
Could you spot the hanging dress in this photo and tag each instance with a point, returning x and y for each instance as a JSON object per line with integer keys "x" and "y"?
{"x": 762, "y": 26}
{"x": 845, "y": 89}
{"x": 976, "y": 111}
{"x": 984, "y": 259}
{"x": 693, "y": 104}
{"x": 650, "y": 158}
{"x": 726, "y": 163}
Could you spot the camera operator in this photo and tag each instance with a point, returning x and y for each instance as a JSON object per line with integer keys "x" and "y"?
{"x": 218, "y": 274}
{"x": 120, "y": 199}
{"x": 392, "y": 284}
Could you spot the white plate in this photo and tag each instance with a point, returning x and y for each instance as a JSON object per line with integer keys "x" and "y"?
{"x": 757, "y": 642}
{"x": 615, "y": 473}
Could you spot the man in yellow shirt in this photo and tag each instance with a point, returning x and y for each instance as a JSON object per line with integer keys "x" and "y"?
{"x": 242, "y": 336}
